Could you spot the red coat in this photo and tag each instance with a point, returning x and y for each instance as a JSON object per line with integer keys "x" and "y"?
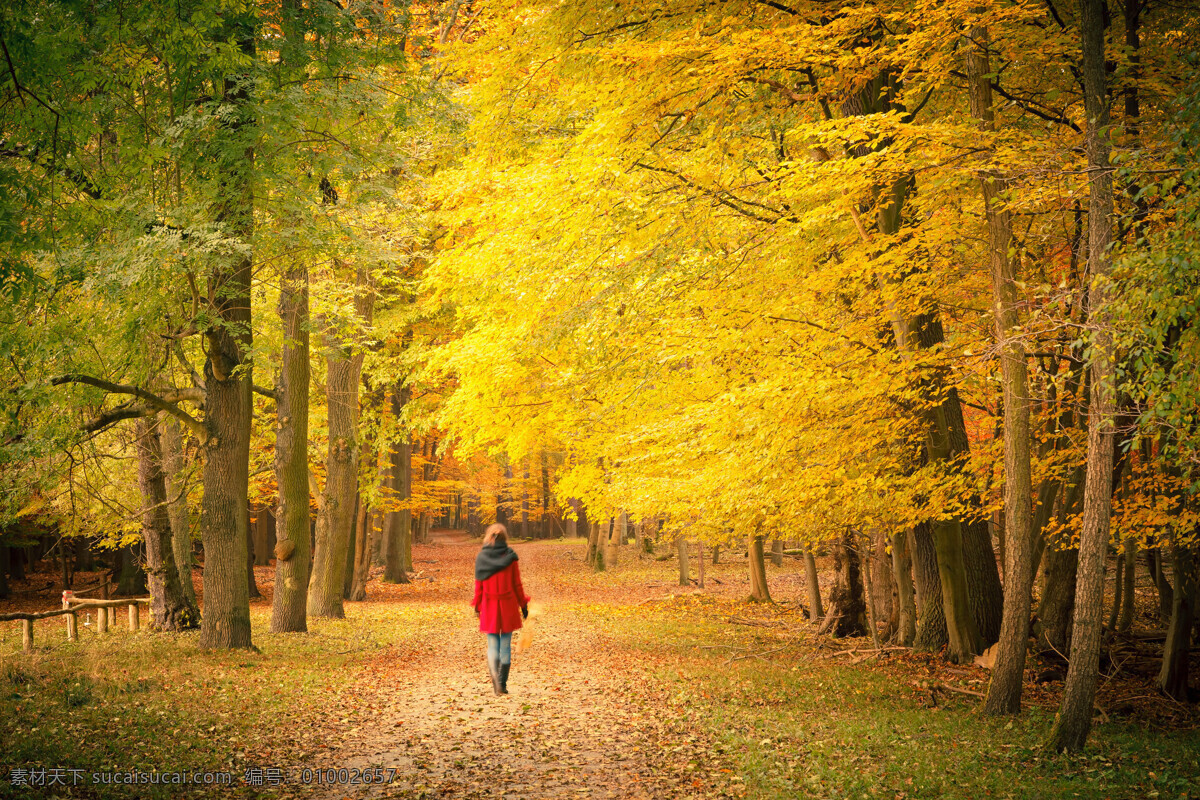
{"x": 499, "y": 600}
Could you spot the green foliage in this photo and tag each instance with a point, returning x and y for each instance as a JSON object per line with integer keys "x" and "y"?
{"x": 1158, "y": 279}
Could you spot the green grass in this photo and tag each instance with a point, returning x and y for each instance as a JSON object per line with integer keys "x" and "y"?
{"x": 796, "y": 725}
{"x": 154, "y": 702}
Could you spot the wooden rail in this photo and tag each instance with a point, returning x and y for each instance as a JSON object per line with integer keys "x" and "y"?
{"x": 71, "y": 608}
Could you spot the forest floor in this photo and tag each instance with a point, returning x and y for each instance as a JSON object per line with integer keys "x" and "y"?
{"x": 634, "y": 687}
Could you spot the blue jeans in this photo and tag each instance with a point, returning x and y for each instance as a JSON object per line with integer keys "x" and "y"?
{"x": 500, "y": 647}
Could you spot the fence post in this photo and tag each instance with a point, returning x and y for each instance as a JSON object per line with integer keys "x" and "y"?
{"x": 101, "y": 620}
{"x": 27, "y": 635}
{"x": 72, "y": 620}
{"x": 133, "y": 617}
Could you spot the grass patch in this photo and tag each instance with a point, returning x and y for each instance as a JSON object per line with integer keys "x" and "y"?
{"x": 795, "y": 725}
{"x": 157, "y": 703}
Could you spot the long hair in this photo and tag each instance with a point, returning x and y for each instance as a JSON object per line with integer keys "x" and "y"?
{"x": 495, "y": 534}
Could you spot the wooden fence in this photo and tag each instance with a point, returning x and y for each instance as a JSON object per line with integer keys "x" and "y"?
{"x": 105, "y": 615}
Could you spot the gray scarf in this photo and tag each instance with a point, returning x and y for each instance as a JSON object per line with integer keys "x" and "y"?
{"x": 492, "y": 559}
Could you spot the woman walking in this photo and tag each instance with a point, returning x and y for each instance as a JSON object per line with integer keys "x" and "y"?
{"x": 500, "y": 601}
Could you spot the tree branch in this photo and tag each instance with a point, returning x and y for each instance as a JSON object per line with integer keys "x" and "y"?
{"x": 153, "y": 400}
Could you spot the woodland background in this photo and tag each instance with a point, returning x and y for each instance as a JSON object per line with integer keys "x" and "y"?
{"x": 905, "y": 290}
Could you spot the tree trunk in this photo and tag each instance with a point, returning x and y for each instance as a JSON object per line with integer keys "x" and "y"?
{"x": 264, "y": 525}
{"x": 1173, "y": 676}
{"x": 872, "y": 607}
{"x": 971, "y": 592}
{"x": 700, "y": 564}
{"x": 1162, "y": 586}
{"x": 616, "y": 529}
{"x": 1057, "y": 607}
{"x": 1118, "y": 590}
{"x": 546, "y": 531}
{"x": 931, "y": 616}
{"x": 171, "y": 442}
{"x": 362, "y": 557}
{"x": 847, "y": 615}
{"x": 335, "y": 517}
{"x": 816, "y": 612}
{"x": 906, "y": 625}
{"x": 131, "y": 580}
{"x": 1004, "y": 690}
{"x": 5, "y": 591}
{"x": 525, "y": 501}
{"x": 397, "y": 523}
{"x": 84, "y": 561}
{"x": 596, "y": 547}
{"x": 681, "y": 548}
{"x": 759, "y": 591}
{"x": 170, "y": 608}
{"x": 777, "y": 552}
{"x": 352, "y": 548}
{"x": 1125, "y": 620}
{"x": 882, "y": 586}
{"x": 292, "y": 513}
{"x": 1074, "y": 721}
{"x": 228, "y": 375}
{"x": 716, "y": 554}
{"x": 251, "y": 586}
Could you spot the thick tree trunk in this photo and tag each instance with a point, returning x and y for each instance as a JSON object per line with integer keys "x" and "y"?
{"x": 264, "y": 529}
{"x": 700, "y": 564}
{"x": 292, "y": 513}
{"x": 931, "y": 617}
{"x": 170, "y": 608}
{"x": 335, "y": 517}
{"x": 1074, "y": 721}
{"x": 616, "y": 530}
{"x": 759, "y": 591}
{"x": 228, "y": 378}
{"x": 847, "y": 615}
{"x": 171, "y": 441}
{"x": 906, "y": 625}
{"x": 1173, "y": 676}
{"x": 681, "y": 548}
{"x": 777, "y": 552}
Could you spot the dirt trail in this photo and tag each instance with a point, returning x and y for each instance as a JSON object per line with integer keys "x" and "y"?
{"x": 572, "y": 725}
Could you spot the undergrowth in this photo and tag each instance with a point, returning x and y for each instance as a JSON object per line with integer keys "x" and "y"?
{"x": 800, "y": 724}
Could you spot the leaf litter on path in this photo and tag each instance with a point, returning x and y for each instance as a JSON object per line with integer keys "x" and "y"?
{"x": 582, "y": 718}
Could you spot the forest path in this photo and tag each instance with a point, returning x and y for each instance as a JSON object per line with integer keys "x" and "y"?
{"x": 575, "y": 724}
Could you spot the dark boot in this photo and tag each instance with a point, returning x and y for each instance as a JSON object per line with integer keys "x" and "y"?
{"x": 504, "y": 678}
{"x": 494, "y": 669}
